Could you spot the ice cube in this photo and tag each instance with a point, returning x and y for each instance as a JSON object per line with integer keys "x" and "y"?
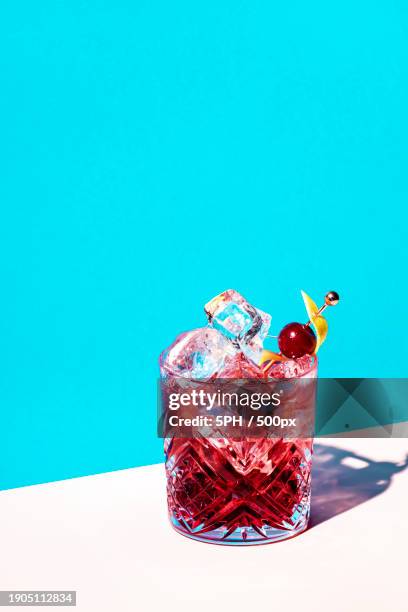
{"x": 293, "y": 368}
{"x": 239, "y": 366}
{"x": 243, "y": 324}
{"x": 197, "y": 354}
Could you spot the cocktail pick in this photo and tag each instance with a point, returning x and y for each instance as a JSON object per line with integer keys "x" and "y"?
{"x": 331, "y": 299}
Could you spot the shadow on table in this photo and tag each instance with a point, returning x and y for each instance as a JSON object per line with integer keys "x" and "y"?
{"x": 342, "y": 480}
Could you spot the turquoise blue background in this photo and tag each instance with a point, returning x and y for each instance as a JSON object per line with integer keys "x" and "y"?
{"x": 154, "y": 154}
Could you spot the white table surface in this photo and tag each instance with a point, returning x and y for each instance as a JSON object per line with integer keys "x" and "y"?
{"x": 108, "y": 538}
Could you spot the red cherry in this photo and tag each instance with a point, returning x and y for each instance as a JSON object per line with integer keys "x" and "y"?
{"x": 296, "y": 340}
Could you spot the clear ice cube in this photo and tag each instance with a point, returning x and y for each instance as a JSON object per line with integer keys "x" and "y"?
{"x": 239, "y": 366}
{"x": 293, "y": 368}
{"x": 197, "y": 354}
{"x": 243, "y": 324}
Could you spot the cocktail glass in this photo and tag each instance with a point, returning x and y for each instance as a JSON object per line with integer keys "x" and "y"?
{"x": 248, "y": 490}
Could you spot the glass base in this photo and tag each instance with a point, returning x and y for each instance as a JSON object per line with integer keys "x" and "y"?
{"x": 242, "y": 536}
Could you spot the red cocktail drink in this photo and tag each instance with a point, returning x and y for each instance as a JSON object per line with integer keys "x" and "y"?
{"x": 246, "y": 490}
